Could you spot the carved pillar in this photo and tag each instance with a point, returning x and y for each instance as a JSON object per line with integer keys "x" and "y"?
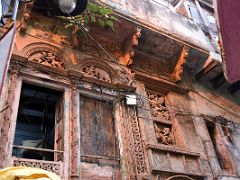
{"x": 75, "y": 134}
{"x": 6, "y": 121}
{"x": 134, "y": 146}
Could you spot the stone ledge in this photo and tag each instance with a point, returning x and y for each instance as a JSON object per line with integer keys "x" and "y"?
{"x": 172, "y": 150}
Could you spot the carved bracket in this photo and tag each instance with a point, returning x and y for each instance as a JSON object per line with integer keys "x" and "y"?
{"x": 26, "y": 11}
{"x": 178, "y": 70}
{"x": 128, "y": 53}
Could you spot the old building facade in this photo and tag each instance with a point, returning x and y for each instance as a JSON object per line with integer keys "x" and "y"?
{"x": 64, "y": 107}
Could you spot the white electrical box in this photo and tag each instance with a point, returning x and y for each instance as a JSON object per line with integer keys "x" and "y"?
{"x": 131, "y": 100}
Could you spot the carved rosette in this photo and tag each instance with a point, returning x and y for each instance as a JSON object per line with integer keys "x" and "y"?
{"x": 45, "y": 54}
{"x": 158, "y": 106}
{"x": 6, "y": 121}
{"x": 49, "y": 166}
{"x": 75, "y": 156}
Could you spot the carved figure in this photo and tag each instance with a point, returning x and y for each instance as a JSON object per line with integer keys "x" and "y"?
{"x": 97, "y": 73}
{"x": 158, "y": 107}
{"x": 128, "y": 53}
{"x": 164, "y": 136}
{"x": 47, "y": 59}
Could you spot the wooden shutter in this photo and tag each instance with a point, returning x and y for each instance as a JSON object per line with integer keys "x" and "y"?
{"x": 59, "y": 129}
{"x": 97, "y": 128}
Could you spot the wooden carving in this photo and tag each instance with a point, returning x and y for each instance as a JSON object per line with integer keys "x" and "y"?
{"x": 178, "y": 70}
{"x": 158, "y": 106}
{"x": 128, "y": 53}
{"x": 164, "y": 135}
{"x": 96, "y": 72}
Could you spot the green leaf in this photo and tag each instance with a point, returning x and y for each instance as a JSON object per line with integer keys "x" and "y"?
{"x": 103, "y": 10}
{"x": 108, "y": 11}
{"x": 101, "y": 23}
{"x": 113, "y": 18}
{"x": 109, "y": 23}
{"x": 86, "y": 20}
{"x": 93, "y": 19}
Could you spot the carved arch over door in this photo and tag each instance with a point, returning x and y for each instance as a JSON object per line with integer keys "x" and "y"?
{"x": 45, "y": 54}
{"x": 97, "y": 69}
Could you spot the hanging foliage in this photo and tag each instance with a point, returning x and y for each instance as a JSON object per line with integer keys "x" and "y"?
{"x": 94, "y": 13}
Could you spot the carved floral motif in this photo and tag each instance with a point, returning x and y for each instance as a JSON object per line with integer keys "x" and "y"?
{"x": 53, "y": 167}
{"x": 47, "y": 58}
{"x": 158, "y": 106}
{"x": 96, "y": 72}
{"x": 164, "y": 135}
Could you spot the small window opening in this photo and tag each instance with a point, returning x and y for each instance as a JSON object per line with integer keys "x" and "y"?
{"x": 36, "y": 133}
{"x": 211, "y": 129}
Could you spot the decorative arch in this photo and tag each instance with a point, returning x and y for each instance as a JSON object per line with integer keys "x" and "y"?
{"x": 98, "y": 69}
{"x": 45, "y": 54}
{"x": 179, "y": 177}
